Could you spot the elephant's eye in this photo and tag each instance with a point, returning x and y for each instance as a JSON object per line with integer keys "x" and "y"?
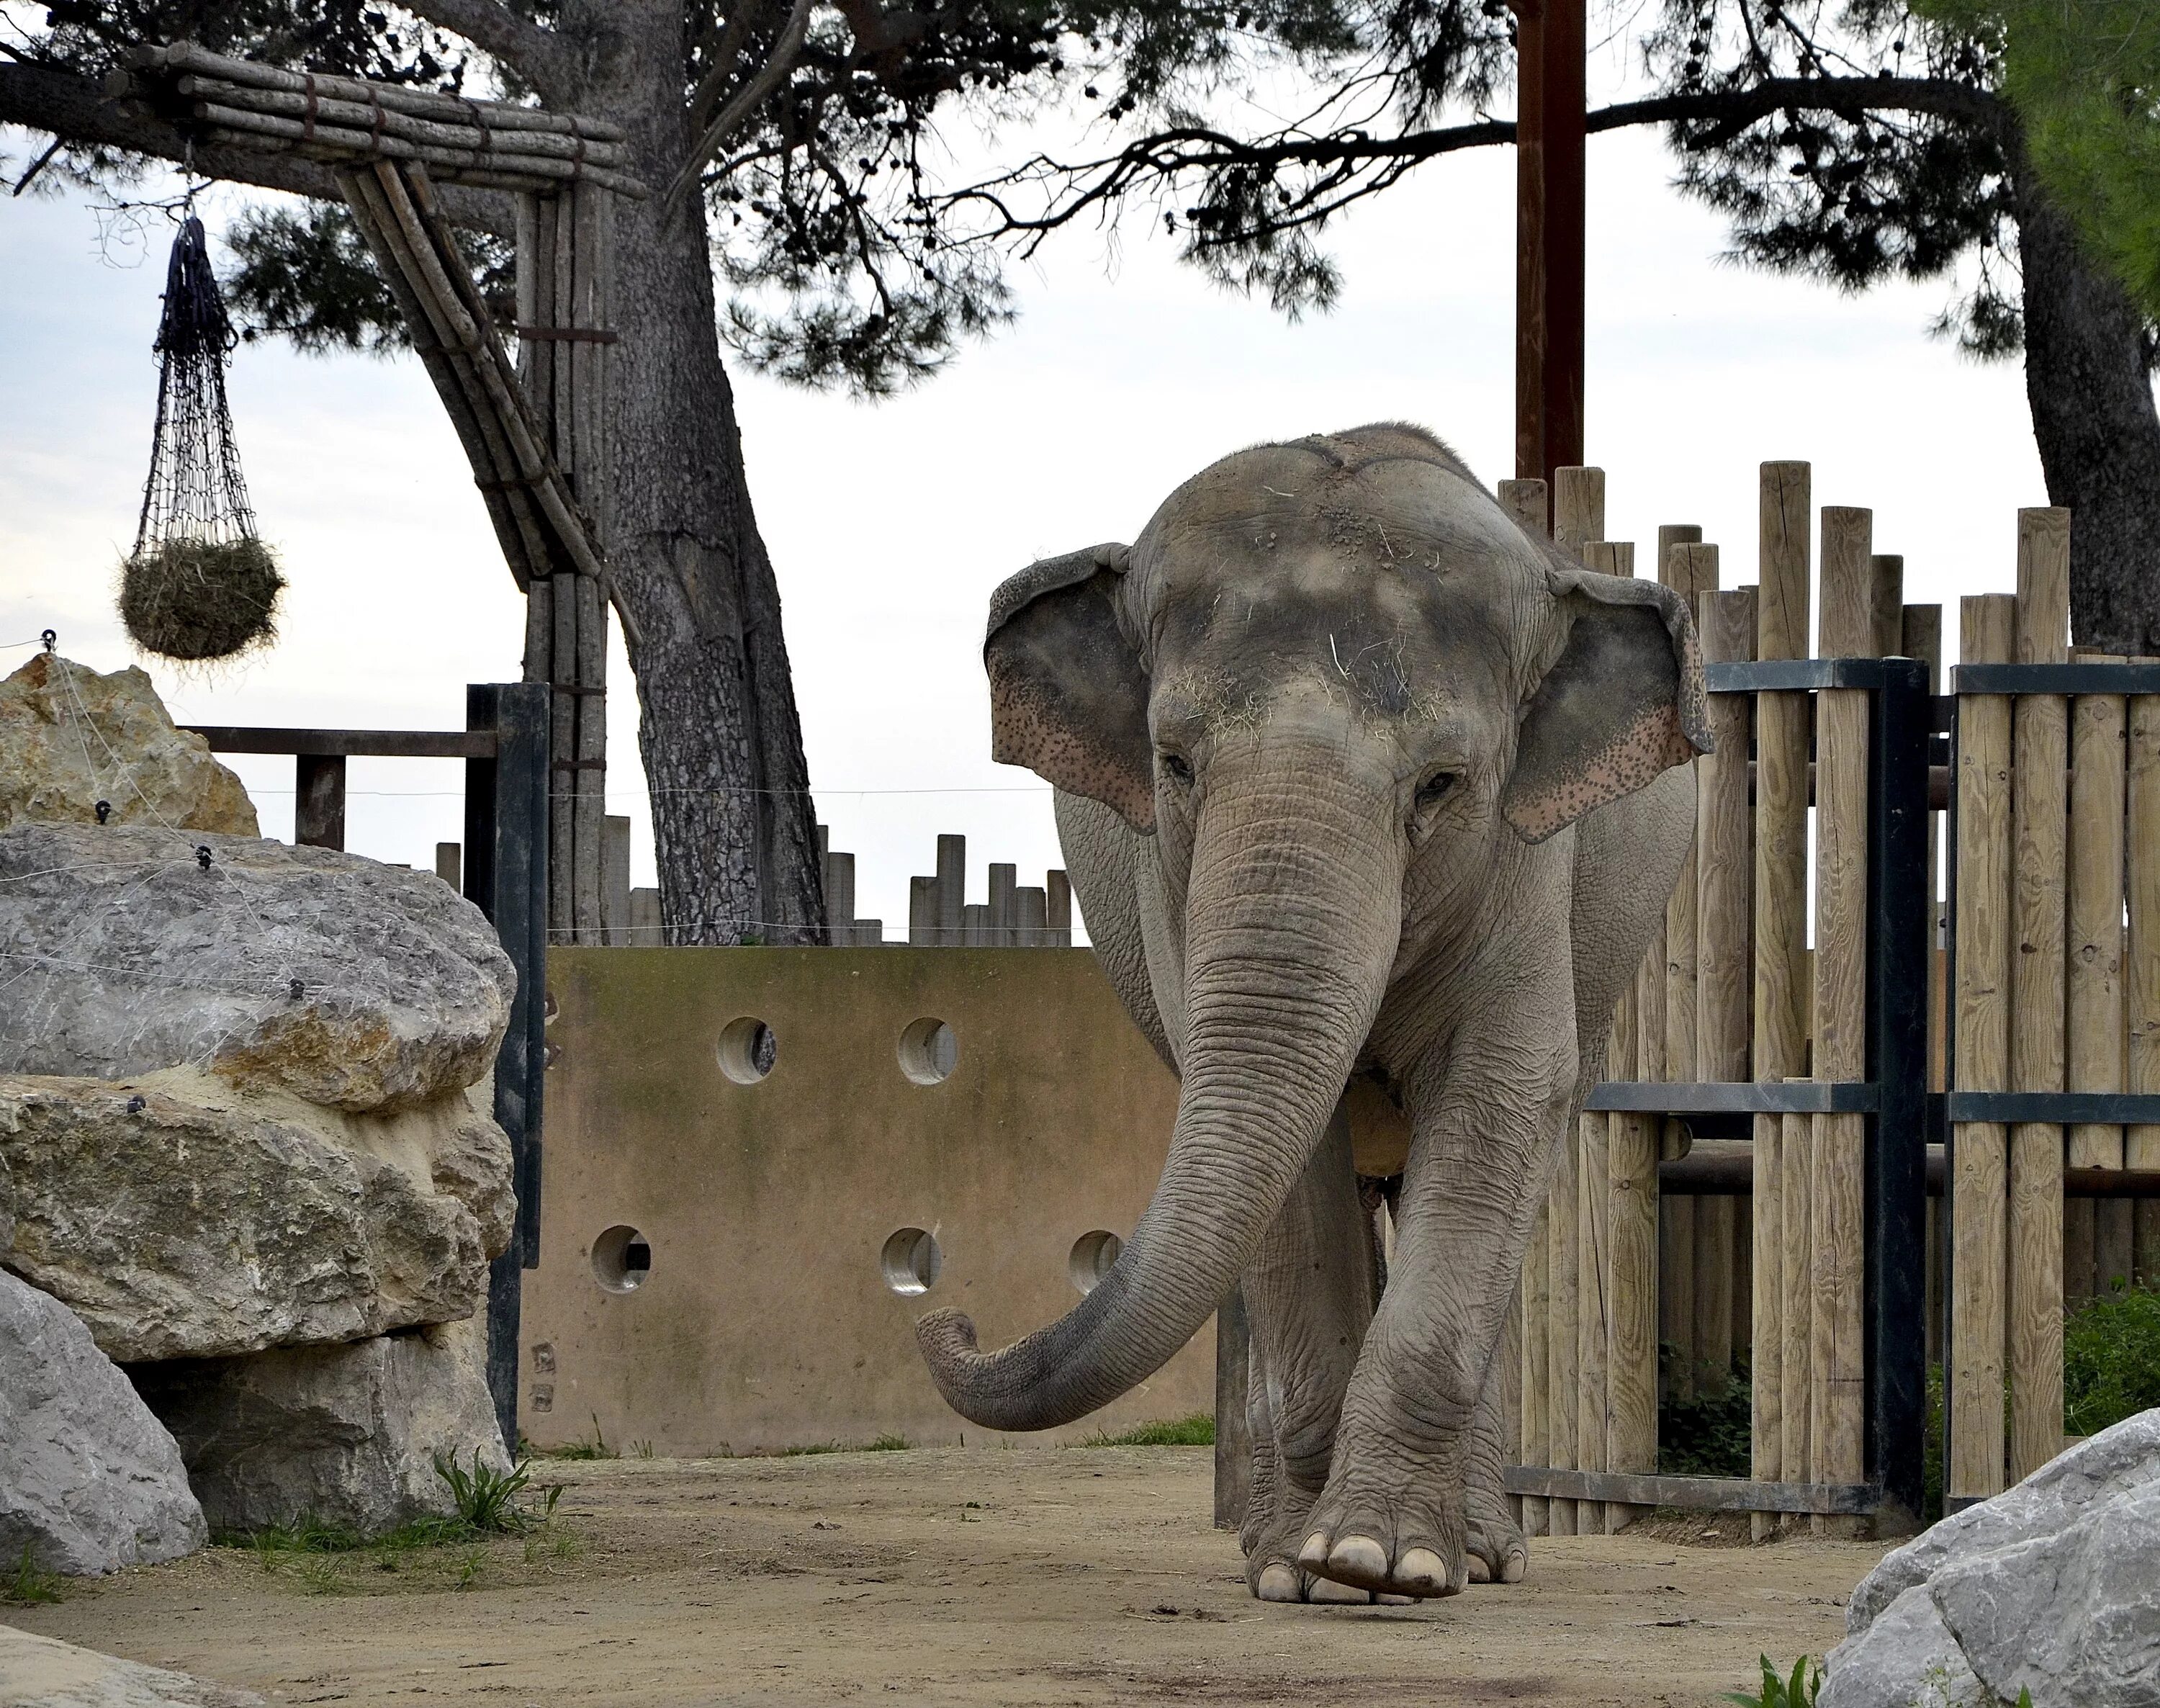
{"x": 1180, "y": 768}
{"x": 1433, "y": 789}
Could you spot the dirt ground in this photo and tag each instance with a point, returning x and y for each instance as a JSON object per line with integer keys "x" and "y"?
{"x": 1073, "y": 1575}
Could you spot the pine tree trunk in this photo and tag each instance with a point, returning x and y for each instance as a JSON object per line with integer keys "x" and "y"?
{"x": 2090, "y": 391}
{"x": 733, "y": 821}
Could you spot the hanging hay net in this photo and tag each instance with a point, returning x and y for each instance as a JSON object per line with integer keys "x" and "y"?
{"x": 199, "y": 584}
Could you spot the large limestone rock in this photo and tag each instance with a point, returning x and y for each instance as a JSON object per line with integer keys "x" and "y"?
{"x": 2052, "y": 1587}
{"x": 43, "y": 1672}
{"x": 90, "y": 1481}
{"x": 351, "y": 984}
{"x": 70, "y": 738}
{"x": 346, "y": 1434}
{"x": 180, "y": 1219}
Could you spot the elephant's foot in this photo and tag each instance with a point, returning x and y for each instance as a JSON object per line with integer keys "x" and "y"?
{"x": 1389, "y": 1543}
{"x": 1271, "y": 1568}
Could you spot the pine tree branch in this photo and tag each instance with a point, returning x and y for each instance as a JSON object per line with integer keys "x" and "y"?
{"x": 495, "y": 29}
{"x": 74, "y": 109}
{"x": 1166, "y": 156}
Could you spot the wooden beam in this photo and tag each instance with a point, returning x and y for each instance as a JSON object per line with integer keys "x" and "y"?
{"x": 1550, "y": 245}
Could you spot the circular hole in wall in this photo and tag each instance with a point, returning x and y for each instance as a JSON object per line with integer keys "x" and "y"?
{"x": 622, "y": 1258}
{"x": 748, "y": 1050}
{"x": 1092, "y": 1255}
{"x": 911, "y": 1260}
{"x": 929, "y": 1051}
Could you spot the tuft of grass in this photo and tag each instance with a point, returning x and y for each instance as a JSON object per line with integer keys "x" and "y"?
{"x": 487, "y": 1498}
{"x": 2111, "y": 1359}
{"x": 1798, "y": 1692}
{"x": 1197, "y": 1430}
{"x": 889, "y": 1444}
{"x": 596, "y": 1448}
{"x": 883, "y": 1444}
{"x": 29, "y": 1584}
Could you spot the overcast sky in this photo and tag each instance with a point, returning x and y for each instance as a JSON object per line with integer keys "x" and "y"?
{"x": 890, "y": 523}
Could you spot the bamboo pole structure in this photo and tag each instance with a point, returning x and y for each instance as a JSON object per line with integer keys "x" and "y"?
{"x": 1973, "y": 1459}
{"x": 2040, "y": 752}
{"x": 1838, "y": 1366}
{"x": 2141, "y": 977}
{"x": 2094, "y": 994}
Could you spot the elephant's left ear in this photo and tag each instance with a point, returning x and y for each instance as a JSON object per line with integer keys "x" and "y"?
{"x": 1068, "y": 698}
{"x": 1622, "y": 702}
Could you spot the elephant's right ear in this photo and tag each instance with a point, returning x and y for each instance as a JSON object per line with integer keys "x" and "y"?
{"x": 1068, "y": 699}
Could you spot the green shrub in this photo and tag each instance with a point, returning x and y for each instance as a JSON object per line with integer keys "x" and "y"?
{"x": 1710, "y": 1436}
{"x": 2111, "y": 1359}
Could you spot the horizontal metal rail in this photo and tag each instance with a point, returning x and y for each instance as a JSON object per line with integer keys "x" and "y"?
{"x": 348, "y": 744}
{"x": 1699, "y": 1494}
{"x": 2108, "y": 1108}
{"x": 2093, "y": 678}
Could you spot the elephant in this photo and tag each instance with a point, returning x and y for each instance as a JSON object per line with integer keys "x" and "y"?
{"x": 1365, "y": 793}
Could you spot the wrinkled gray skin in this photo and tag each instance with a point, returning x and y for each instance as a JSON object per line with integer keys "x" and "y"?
{"x": 1355, "y": 779}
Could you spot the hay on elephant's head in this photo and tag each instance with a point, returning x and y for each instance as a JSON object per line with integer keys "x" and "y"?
{"x": 200, "y": 600}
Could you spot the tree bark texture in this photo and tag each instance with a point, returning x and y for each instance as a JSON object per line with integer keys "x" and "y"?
{"x": 733, "y": 822}
{"x": 2090, "y": 391}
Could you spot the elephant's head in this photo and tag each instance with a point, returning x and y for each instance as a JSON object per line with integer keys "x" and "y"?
{"x": 1341, "y": 688}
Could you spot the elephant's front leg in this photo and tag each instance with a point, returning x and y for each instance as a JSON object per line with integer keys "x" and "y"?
{"x": 1395, "y": 1514}
{"x": 1308, "y": 1298}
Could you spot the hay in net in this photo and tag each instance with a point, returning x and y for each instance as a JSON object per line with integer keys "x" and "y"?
{"x": 199, "y": 584}
{"x": 199, "y": 600}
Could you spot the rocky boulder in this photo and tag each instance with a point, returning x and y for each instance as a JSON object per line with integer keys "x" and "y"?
{"x": 70, "y": 738}
{"x": 345, "y": 1434}
{"x": 90, "y": 1481}
{"x": 2052, "y": 1587}
{"x": 347, "y": 984}
{"x": 43, "y": 1672}
{"x": 180, "y": 1219}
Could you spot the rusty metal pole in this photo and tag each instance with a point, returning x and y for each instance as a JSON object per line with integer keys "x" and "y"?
{"x": 1550, "y": 45}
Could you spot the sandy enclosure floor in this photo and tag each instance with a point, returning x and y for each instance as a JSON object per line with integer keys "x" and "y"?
{"x": 1073, "y": 1575}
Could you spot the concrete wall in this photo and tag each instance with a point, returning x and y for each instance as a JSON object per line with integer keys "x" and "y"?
{"x": 765, "y": 1320}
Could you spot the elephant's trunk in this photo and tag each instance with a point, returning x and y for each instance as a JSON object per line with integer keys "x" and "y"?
{"x": 1292, "y": 920}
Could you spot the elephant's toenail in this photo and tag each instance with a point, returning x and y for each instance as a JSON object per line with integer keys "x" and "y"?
{"x": 1278, "y": 1583}
{"x": 1338, "y": 1593}
{"x": 1421, "y": 1569}
{"x": 1314, "y": 1554}
{"x": 1512, "y": 1567}
{"x": 1480, "y": 1572}
{"x": 1358, "y": 1560}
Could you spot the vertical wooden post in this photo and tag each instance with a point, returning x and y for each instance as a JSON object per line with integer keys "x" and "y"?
{"x": 2141, "y": 980}
{"x": 319, "y": 801}
{"x": 1885, "y": 584}
{"x": 1578, "y": 521}
{"x": 1031, "y": 916}
{"x": 952, "y": 889}
{"x": 1525, "y": 502}
{"x": 2094, "y": 982}
{"x": 1537, "y": 1368}
{"x": 1551, "y": 41}
{"x": 840, "y": 897}
{"x": 922, "y": 912}
{"x": 1004, "y": 905}
{"x": 1794, "y": 1261}
{"x": 1058, "y": 889}
{"x": 2040, "y": 752}
{"x": 1784, "y": 526}
{"x": 615, "y": 881}
{"x": 1973, "y": 1461}
{"x": 1838, "y": 1412}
